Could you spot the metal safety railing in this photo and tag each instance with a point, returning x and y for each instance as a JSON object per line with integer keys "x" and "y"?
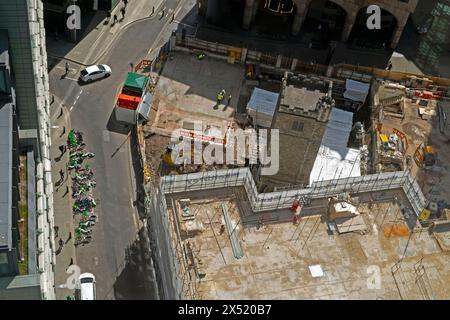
{"x": 242, "y": 177}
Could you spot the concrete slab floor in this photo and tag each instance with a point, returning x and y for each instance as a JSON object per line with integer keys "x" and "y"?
{"x": 187, "y": 90}
{"x": 277, "y": 258}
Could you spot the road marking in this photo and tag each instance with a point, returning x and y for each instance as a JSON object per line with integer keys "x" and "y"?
{"x": 177, "y": 11}
{"x": 69, "y": 78}
{"x": 163, "y": 30}
{"x": 106, "y": 136}
{"x": 76, "y": 100}
{"x": 69, "y": 92}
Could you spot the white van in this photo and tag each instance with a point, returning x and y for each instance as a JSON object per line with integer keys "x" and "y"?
{"x": 87, "y": 286}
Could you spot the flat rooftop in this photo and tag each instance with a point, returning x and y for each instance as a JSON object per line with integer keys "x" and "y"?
{"x": 302, "y": 95}
{"x": 278, "y": 258}
{"x": 6, "y": 146}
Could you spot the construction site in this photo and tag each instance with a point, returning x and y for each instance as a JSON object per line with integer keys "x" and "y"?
{"x": 357, "y": 210}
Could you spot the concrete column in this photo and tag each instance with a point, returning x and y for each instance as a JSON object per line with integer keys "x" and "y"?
{"x": 255, "y": 10}
{"x": 397, "y": 34}
{"x": 202, "y": 7}
{"x": 294, "y": 64}
{"x": 248, "y": 13}
{"x": 244, "y": 55}
{"x": 278, "y": 64}
{"x": 298, "y": 22}
{"x": 348, "y": 26}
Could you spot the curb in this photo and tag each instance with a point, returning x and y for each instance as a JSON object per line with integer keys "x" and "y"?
{"x": 111, "y": 43}
{"x": 67, "y": 121}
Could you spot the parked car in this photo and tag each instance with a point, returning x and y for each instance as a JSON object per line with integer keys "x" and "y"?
{"x": 95, "y": 72}
{"x": 87, "y": 286}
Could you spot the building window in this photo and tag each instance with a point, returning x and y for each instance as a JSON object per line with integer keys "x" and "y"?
{"x": 4, "y": 83}
{"x": 297, "y": 126}
{"x": 4, "y": 266}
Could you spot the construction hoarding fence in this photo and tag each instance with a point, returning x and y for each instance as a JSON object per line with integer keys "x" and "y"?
{"x": 273, "y": 61}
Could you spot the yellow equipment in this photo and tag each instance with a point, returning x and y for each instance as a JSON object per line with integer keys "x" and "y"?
{"x": 425, "y": 156}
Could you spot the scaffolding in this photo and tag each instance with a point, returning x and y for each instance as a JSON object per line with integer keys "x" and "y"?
{"x": 242, "y": 177}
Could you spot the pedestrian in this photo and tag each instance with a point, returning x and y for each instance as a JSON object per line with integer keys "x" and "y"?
{"x": 61, "y": 242}
{"x": 61, "y": 148}
{"x": 389, "y": 67}
{"x": 125, "y": 2}
{"x": 123, "y": 12}
{"x": 70, "y": 237}
{"x": 115, "y": 19}
{"x": 108, "y": 14}
{"x": 56, "y": 228}
{"x": 53, "y": 99}
{"x": 71, "y": 262}
{"x": 67, "y": 68}
{"x": 229, "y": 100}
{"x": 61, "y": 174}
{"x": 132, "y": 66}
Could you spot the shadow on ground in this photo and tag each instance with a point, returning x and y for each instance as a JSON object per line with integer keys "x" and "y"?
{"x": 116, "y": 126}
{"x": 59, "y": 44}
{"x": 136, "y": 281}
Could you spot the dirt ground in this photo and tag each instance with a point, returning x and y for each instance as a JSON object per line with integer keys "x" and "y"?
{"x": 435, "y": 182}
{"x": 186, "y": 93}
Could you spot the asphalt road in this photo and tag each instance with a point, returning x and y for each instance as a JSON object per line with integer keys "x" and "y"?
{"x": 114, "y": 254}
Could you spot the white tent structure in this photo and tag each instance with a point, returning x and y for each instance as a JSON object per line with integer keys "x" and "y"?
{"x": 262, "y": 106}
{"x": 356, "y": 91}
{"x": 334, "y": 160}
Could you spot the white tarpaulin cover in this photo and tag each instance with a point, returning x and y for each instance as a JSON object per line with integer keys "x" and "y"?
{"x": 334, "y": 159}
{"x": 356, "y": 91}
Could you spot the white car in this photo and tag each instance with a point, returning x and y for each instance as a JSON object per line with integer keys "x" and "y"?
{"x": 96, "y": 72}
{"x": 87, "y": 286}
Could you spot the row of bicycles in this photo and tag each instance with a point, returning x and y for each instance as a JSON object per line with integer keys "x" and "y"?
{"x": 83, "y": 185}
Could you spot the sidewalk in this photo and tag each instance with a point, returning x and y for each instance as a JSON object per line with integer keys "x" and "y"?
{"x": 96, "y": 43}
{"x": 62, "y": 201}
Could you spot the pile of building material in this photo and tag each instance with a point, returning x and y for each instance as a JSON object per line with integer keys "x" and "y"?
{"x": 346, "y": 217}
{"x": 391, "y": 151}
{"x": 441, "y": 232}
{"x": 390, "y": 97}
{"x": 191, "y": 225}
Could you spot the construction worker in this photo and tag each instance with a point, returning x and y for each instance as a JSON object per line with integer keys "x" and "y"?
{"x": 67, "y": 68}
{"x": 201, "y": 55}
{"x": 220, "y": 96}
